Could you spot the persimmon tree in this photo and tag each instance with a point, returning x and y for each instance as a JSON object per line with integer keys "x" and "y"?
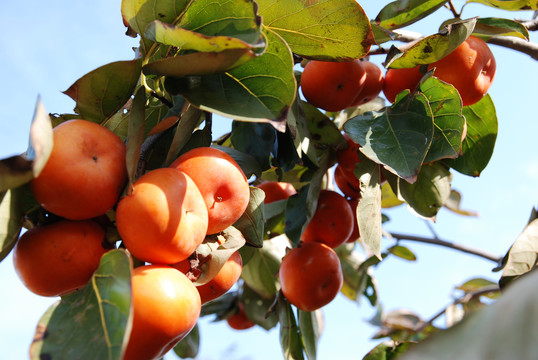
{"x": 201, "y": 60}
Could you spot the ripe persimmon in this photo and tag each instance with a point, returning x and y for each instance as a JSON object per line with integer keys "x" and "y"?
{"x": 332, "y": 86}
{"x": 85, "y": 173}
{"x": 348, "y": 156}
{"x": 397, "y": 80}
{"x": 164, "y": 219}
{"x": 59, "y": 258}
{"x": 221, "y": 181}
{"x": 470, "y": 69}
{"x": 310, "y": 276}
{"x": 332, "y": 222}
{"x": 166, "y": 306}
{"x": 347, "y": 182}
{"x": 223, "y": 281}
{"x": 355, "y": 234}
{"x": 239, "y": 320}
{"x": 276, "y": 190}
{"x": 373, "y": 84}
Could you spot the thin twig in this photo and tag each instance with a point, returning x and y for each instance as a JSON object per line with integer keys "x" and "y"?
{"x": 451, "y": 245}
{"x": 452, "y": 8}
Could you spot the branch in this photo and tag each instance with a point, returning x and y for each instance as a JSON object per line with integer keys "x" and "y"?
{"x": 451, "y": 245}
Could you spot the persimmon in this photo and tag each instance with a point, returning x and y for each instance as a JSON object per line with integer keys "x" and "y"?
{"x": 332, "y": 86}
{"x": 355, "y": 234}
{"x": 310, "y": 276}
{"x": 373, "y": 84}
{"x": 221, "y": 181}
{"x": 164, "y": 219}
{"x": 470, "y": 69}
{"x": 276, "y": 190}
{"x": 347, "y": 182}
{"x": 239, "y": 320}
{"x": 223, "y": 280}
{"x": 348, "y": 156}
{"x": 332, "y": 222}
{"x": 166, "y": 306}
{"x": 59, "y": 258}
{"x": 398, "y": 80}
{"x": 85, "y": 173}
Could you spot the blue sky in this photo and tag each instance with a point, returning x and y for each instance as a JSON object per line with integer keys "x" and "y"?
{"x": 46, "y": 47}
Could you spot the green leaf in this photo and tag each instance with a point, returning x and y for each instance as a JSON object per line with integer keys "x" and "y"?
{"x": 259, "y": 310}
{"x": 479, "y": 143}
{"x": 310, "y": 328}
{"x": 102, "y": 92}
{"x": 323, "y": 130}
{"x": 448, "y": 120}
{"x": 262, "y": 88}
{"x": 369, "y": 207}
{"x": 323, "y": 29}
{"x": 140, "y": 13}
{"x": 431, "y": 48}
{"x": 488, "y": 27}
{"x": 94, "y": 318}
{"x": 14, "y": 205}
{"x": 261, "y": 272}
{"x": 297, "y": 124}
{"x": 512, "y": 5}
{"x": 507, "y": 329}
{"x": 523, "y": 255}
{"x": 430, "y": 192}
{"x": 256, "y": 139}
{"x": 290, "y": 338}
{"x": 189, "y": 121}
{"x": 246, "y": 162}
{"x": 398, "y": 14}
{"x": 357, "y": 274}
{"x": 20, "y": 169}
{"x": 398, "y": 137}
{"x": 251, "y": 224}
{"x": 402, "y": 252}
{"x": 475, "y": 284}
{"x": 135, "y": 133}
{"x": 388, "y": 350}
{"x": 189, "y": 346}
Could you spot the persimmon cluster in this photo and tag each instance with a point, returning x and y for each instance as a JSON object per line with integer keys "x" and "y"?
{"x": 162, "y": 218}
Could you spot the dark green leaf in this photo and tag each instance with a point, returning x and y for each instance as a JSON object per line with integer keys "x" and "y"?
{"x": 431, "y": 48}
{"x": 251, "y": 222}
{"x": 246, "y": 162}
{"x": 135, "y": 133}
{"x": 512, "y": 5}
{"x": 14, "y": 204}
{"x": 523, "y": 254}
{"x": 259, "y": 309}
{"x": 189, "y": 121}
{"x": 449, "y": 122}
{"x": 507, "y": 329}
{"x": 93, "y": 319}
{"x": 398, "y": 137}
{"x": 480, "y": 140}
{"x": 297, "y": 124}
{"x": 488, "y": 27}
{"x": 290, "y": 338}
{"x": 262, "y": 88}
{"x": 189, "y": 346}
{"x": 388, "y": 351}
{"x": 430, "y": 192}
{"x": 322, "y": 129}
{"x": 400, "y": 13}
{"x": 322, "y": 29}
{"x": 256, "y": 139}
{"x": 296, "y": 214}
{"x": 102, "y": 92}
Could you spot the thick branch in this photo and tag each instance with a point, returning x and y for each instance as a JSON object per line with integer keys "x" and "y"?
{"x": 451, "y": 245}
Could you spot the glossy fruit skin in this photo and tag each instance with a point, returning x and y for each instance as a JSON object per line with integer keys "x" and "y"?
{"x": 372, "y": 85}
{"x": 166, "y": 306}
{"x": 397, "y": 80}
{"x": 347, "y": 182}
{"x": 222, "y": 282}
{"x": 332, "y": 222}
{"x": 239, "y": 320}
{"x": 86, "y": 159}
{"x": 349, "y": 156}
{"x": 355, "y": 234}
{"x": 310, "y": 276}
{"x": 275, "y": 191}
{"x": 332, "y": 86}
{"x": 59, "y": 258}
{"x": 221, "y": 181}
{"x": 164, "y": 219}
{"x": 470, "y": 69}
